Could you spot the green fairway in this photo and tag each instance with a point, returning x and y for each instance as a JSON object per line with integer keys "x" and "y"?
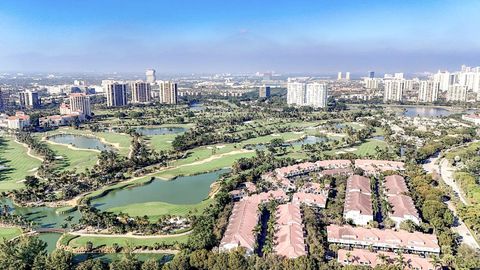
{"x": 161, "y": 142}
{"x": 124, "y": 241}
{"x": 156, "y": 209}
{"x": 9, "y": 233}
{"x": 368, "y": 147}
{"x": 18, "y": 164}
{"x": 74, "y": 159}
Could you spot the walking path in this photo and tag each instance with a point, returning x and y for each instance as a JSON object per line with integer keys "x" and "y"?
{"x": 446, "y": 172}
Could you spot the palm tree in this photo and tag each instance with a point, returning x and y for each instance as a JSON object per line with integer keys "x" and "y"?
{"x": 383, "y": 258}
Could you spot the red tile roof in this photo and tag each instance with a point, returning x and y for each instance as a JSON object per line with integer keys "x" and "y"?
{"x": 395, "y": 184}
{"x": 289, "y": 241}
{"x": 402, "y": 205}
{"x": 386, "y": 238}
{"x": 357, "y": 201}
{"x": 358, "y": 183}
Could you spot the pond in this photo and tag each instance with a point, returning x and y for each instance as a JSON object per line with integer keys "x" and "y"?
{"x": 149, "y": 131}
{"x": 425, "y": 112}
{"x": 182, "y": 190}
{"x": 196, "y": 106}
{"x": 79, "y": 141}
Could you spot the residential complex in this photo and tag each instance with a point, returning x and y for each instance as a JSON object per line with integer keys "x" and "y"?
{"x": 307, "y": 94}
{"x": 168, "y": 92}
{"x": 264, "y": 92}
{"x": 80, "y": 102}
{"x": 116, "y": 94}
{"x": 428, "y": 91}
{"x": 141, "y": 92}
{"x": 394, "y": 90}
{"x": 457, "y": 92}
{"x": 29, "y": 99}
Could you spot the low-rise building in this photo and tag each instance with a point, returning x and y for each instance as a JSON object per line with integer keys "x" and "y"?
{"x": 358, "y": 208}
{"x": 387, "y": 239}
{"x": 19, "y": 121}
{"x": 289, "y": 236}
{"x": 373, "y": 167}
{"x": 402, "y": 206}
{"x": 362, "y": 257}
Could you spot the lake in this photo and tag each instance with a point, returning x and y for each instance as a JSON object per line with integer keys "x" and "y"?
{"x": 182, "y": 190}
{"x": 79, "y": 141}
{"x": 426, "y": 112}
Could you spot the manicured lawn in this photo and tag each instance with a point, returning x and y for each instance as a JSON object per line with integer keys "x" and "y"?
{"x": 124, "y": 241}
{"x": 9, "y": 233}
{"x": 74, "y": 159}
{"x": 19, "y": 164}
{"x": 156, "y": 209}
{"x": 369, "y": 147}
{"x": 161, "y": 142}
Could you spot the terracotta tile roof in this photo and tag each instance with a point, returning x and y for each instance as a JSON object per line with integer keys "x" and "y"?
{"x": 371, "y": 166}
{"x": 372, "y": 259}
{"x": 395, "y": 184}
{"x": 289, "y": 241}
{"x": 358, "y": 183}
{"x": 357, "y": 201}
{"x": 387, "y": 238}
{"x": 240, "y": 227}
{"x": 402, "y": 206}
{"x": 319, "y": 200}
{"x": 333, "y": 164}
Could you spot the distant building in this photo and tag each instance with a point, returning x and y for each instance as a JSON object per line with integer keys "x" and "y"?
{"x": 393, "y": 90}
{"x": 29, "y": 99}
{"x": 168, "y": 92}
{"x": 116, "y": 94}
{"x": 296, "y": 93}
{"x": 371, "y": 83}
{"x": 347, "y": 76}
{"x": 457, "y": 92}
{"x": 371, "y": 74}
{"x": 316, "y": 95}
{"x": 80, "y": 102}
{"x": 428, "y": 91}
{"x": 398, "y": 75}
{"x": 339, "y": 75}
{"x": 264, "y": 92}
{"x": 2, "y": 106}
{"x": 18, "y": 121}
{"x": 445, "y": 79}
{"x": 150, "y": 75}
{"x": 141, "y": 92}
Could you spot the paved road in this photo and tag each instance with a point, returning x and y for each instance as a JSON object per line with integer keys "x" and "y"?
{"x": 445, "y": 170}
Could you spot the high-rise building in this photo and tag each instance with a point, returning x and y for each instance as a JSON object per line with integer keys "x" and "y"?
{"x": 445, "y": 79}
{"x": 371, "y": 74}
{"x": 116, "y": 94}
{"x": 296, "y": 93}
{"x": 2, "y": 106}
{"x": 316, "y": 95}
{"x": 371, "y": 83}
{"x": 150, "y": 74}
{"x": 29, "y": 99}
{"x": 457, "y": 92}
{"x": 398, "y": 75}
{"x": 339, "y": 76}
{"x": 311, "y": 94}
{"x": 141, "y": 92}
{"x": 393, "y": 90}
{"x": 347, "y": 76}
{"x": 264, "y": 92}
{"x": 428, "y": 91}
{"x": 168, "y": 92}
{"x": 80, "y": 102}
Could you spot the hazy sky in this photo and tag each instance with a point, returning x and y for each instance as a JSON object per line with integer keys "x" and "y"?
{"x": 317, "y": 36}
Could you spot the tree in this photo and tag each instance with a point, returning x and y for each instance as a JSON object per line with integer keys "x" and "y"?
{"x": 150, "y": 264}
{"x": 60, "y": 260}
{"x": 22, "y": 252}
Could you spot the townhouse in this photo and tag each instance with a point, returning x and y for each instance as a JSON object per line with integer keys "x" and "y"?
{"x": 403, "y": 207}
{"x": 358, "y": 201}
{"x": 387, "y": 239}
{"x": 289, "y": 234}
{"x": 362, "y": 257}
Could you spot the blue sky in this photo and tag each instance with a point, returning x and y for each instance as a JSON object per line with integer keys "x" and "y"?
{"x": 319, "y": 36}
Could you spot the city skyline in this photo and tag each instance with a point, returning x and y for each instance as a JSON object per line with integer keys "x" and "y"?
{"x": 212, "y": 36}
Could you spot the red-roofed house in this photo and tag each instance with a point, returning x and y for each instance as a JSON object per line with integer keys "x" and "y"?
{"x": 289, "y": 240}
{"x": 387, "y": 239}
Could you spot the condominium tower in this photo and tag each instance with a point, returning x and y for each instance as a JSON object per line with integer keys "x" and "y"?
{"x": 428, "y": 91}
{"x": 141, "y": 92}
{"x": 80, "y": 102}
{"x": 116, "y": 94}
